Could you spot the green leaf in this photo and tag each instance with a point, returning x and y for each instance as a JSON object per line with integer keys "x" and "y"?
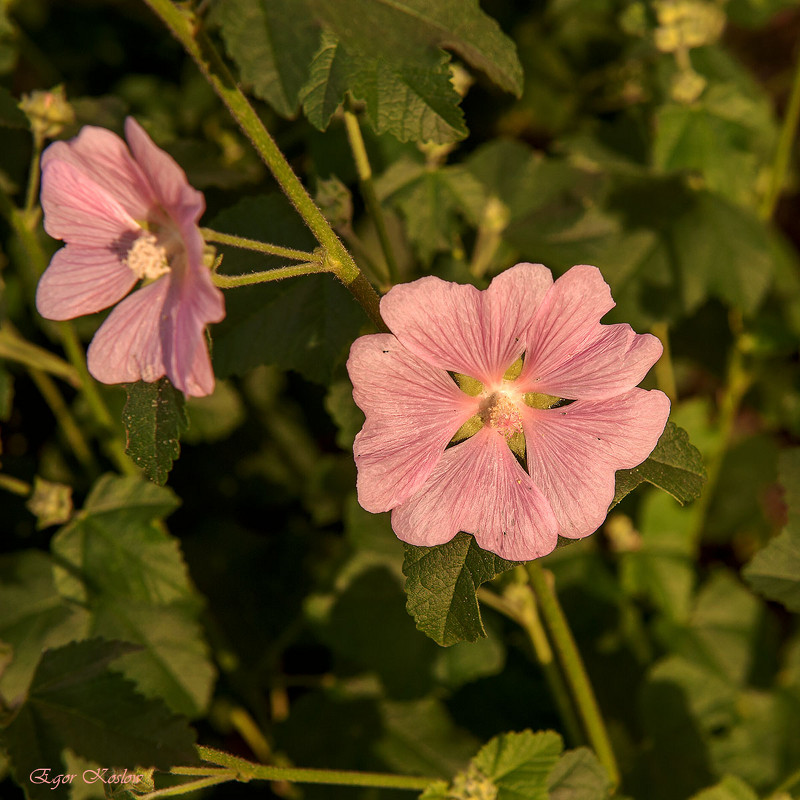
{"x": 661, "y": 565}
{"x": 154, "y": 417}
{"x": 410, "y": 27}
{"x": 33, "y": 616}
{"x": 441, "y": 586}
{"x": 675, "y": 466}
{"x": 700, "y": 246}
{"x": 305, "y": 323}
{"x": 579, "y": 775}
{"x": 344, "y": 412}
{"x": 729, "y": 788}
{"x": 726, "y": 136}
{"x": 118, "y": 560}
{"x": 413, "y": 101}
{"x": 420, "y": 737}
{"x": 519, "y": 764}
{"x": 368, "y": 626}
{"x": 75, "y": 700}
{"x": 774, "y": 571}
{"x": 272, "y": 42}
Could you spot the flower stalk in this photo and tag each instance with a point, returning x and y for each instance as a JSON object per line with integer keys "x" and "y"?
{"x": 259, "y": 247}
{"x": 364, "y": 169}
{"x": 184, "y": 26}
{"x": 574, "y": 669}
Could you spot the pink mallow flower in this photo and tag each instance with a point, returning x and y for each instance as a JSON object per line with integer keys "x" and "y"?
{"x": 129, "y": 215}
{"x": 526, "y": 466}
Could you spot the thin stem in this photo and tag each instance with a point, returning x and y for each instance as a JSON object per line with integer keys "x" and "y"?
{"x": 738, "y": 381}
{"x": 15, "y": 348}
{"x": 34, "y": 174}
{"x": 783, "y": 789}
{"x": 113, "y": 445}
{"x": 234, "y": 281}
{"x": 191, "y": 786}
{"x": 359, "y": 150}
{"x": 247, "y": 770}
{"x": 15, "y": 485}
{"x": 52, "y": 396}
{"x": 213, "y": 68}
{"x": 248, "y": 729}
{"x": 573, "y": 667}
{"x": 665, "y": 373}
{"x": 526, "y": 615}
{"x": 783, "y": 151}
{"x": 252, "y": 244}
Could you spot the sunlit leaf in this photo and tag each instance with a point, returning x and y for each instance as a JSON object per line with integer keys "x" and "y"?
{"x": 674, "y": 466}
{"x": 441, "y": 586}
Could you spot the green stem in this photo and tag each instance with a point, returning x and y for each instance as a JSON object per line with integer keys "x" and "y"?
{"x": 15, "y": 348}
{"x": 374, "y": 207}
{"x": 34, "y": 174}
{"x": 783, "y": 152}
{"x": 191, "y": 786}
{"x": 247, "y": 770}
{"x": 738, "y": 381}
{"x": 259, "y": 247}
{"x": 338, "y": 260}
{"x": 573, "y": 667}
{"x": 783, "y": 789}
{"x": 15, "y": 485}
{"x": 523, "y": 611}
{"x": 52, "y": 396}
{"x": 113, "y": 445}
{"x": 665, "y": 373}
{"x": 233, "y": 281}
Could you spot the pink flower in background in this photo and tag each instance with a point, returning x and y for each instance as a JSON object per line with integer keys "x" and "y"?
{"x": 128, "y": 215}
{"x": 559, "y": 476}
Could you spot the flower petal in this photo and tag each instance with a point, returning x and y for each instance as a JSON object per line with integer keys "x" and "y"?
{"x": 103, "y": 157}
{"x": 81, "y": 212}
{"x": 128, "y": 345}
{"x": 168, "y": 180}
{"x": 480, "y": 488}
{"x": 570, "y": 354}
{"x": 82, "y": 281}
{"x": 193, "y": 303}
{"x": 459, "y": 328}
{"x": 573, "y": 452}
{"x": 412, "y": 410}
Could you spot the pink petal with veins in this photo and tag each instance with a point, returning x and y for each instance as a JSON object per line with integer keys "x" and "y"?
{"x": 570, "y": 354}
{"x": 574, "y": 451}
{"x": 462, "y": 329}
{"x": 412, "y": 409}
{"x": 480, "y": 488}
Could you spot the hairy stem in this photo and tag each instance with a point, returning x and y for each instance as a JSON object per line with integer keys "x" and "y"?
{"x": 522, "y": 610}
{"x": 247, "y": 770}
{"x": 374, "y": 208}
{"x": 574, "y": 669}
{"x": 182, "y": 25}
{"x": 233, "y": 281}
{"x": 252, "y": 244}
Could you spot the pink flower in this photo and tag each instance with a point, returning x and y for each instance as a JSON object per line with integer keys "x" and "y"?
{"x": 129, "y": 215}
{"x": 559, "y": 477}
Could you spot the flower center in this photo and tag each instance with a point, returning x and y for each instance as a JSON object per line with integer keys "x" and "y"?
{"x": 147, "y": 258}
{"x": 499, "y": 410}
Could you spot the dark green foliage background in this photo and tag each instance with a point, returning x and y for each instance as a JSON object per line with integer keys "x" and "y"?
{"x": 254, "y": 580}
